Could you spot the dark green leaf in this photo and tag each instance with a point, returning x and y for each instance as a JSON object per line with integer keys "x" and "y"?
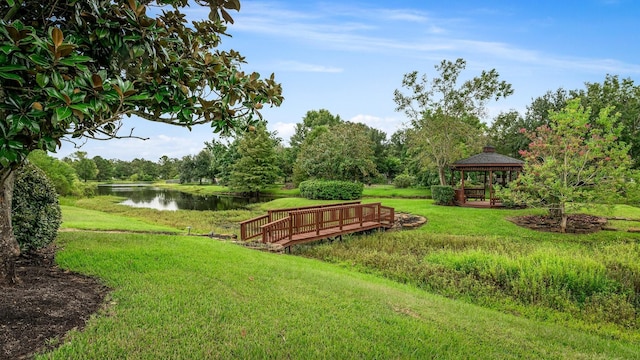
{"x": 11, "y": 76}
{"x": 63, "y": 112}
{"x": 39, "y": 60}
{"x": 42, "y": 79}
{"x": 8, "y": 68}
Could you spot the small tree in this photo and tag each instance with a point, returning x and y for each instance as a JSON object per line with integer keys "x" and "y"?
{"x": 36, "y": 214}
{"x": 571, "y": 162}
{"x": 256, "y": 167}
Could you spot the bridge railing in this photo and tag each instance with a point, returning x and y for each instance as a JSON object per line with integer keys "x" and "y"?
{"x": 251, "y": 228}
{"x": 277, "y": 230}
{"x": 316, "y": 220}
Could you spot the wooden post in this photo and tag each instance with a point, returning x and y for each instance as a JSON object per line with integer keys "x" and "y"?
{"x": 317, "y": 222}
{"x": 359, "y": 213}
{"x": 341, "y": 218}
{"x": 490, "y": 187}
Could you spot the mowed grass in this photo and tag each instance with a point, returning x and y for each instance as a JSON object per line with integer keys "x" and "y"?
{"x": 185, "y": 297}
{"x": 581, "y": 284}
{"x": 85, "y": 219}
{"x": 199, "y": 222}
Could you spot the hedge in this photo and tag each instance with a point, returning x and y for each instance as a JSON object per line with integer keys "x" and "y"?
{"x": 331, "y": 190}
{"x": 442, "y": 195}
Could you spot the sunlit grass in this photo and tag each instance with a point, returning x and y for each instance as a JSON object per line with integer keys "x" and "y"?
{"x": 84, "y": 219}
{"x": 587, "y": 282}
{"x": 201, "y": 222}
{"x": 196, "y": 298}
{"x": 477, "y": 255}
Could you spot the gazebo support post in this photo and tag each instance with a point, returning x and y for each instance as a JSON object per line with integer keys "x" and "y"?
{"x": 490, "y": 187}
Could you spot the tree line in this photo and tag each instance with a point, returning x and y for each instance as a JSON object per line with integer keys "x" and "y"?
{"x": 445, "y": 125}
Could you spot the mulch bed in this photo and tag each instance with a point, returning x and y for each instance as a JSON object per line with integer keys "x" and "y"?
{"x": 46, "y": 303}
{"x": 576, "y": 223}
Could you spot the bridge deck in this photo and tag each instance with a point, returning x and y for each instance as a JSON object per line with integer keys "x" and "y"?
{"x": 314, "y": 223}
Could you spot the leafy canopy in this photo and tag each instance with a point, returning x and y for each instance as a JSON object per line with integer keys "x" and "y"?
{"x": 445, "y": 116}
{"x": 75, "y": 68}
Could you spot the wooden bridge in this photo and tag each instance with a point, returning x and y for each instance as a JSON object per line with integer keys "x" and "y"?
{"x": 287, "y": 227}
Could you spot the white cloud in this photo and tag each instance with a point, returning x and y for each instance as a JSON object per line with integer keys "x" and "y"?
{"x": 284, "y": 130}
{"x": 296, "y": 66}
{"x": 389, "y": 124}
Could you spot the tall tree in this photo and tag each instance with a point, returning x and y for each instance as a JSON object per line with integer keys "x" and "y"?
{"x": 313, "y": 124}
{"x": 168, "y": 167}
{"x": 343, "y": 153}
{"x": 187, "y": 169}
{"x": 257, "y": 166}
{"x": 624, "y": 96}
{"x": 445, "y": 116}
{"x": 571, "y": 162}
{"x": 105, "y": 168}
{"x": 204, "y": 166}
{"x": 62, "y": 175}
{"x": 85, "y": 167}
{"x": 75, "y": 68}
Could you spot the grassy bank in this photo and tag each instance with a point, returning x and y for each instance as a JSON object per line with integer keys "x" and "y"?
{"x": 589, "y": 282}
{"x": 579, "y": 284}
{"x": 192, "y": 297}
{"x": 380, "y": 191}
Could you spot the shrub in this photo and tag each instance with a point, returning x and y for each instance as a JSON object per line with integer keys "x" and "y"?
{"x": 85, "y": 189}
{"x": 331, "y": 190}
{"x": 36, "y": 214}
{"x": 404, "y": 181}
{"x": 442, "y": 195}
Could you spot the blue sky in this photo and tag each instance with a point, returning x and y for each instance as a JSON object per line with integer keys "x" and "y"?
{"x": 349, "y": 56}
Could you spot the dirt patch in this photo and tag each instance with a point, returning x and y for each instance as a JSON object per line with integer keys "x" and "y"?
{"x": 576, "y": 223}
{"x": 45, "y": 304}
{"x": 408, "y": 221}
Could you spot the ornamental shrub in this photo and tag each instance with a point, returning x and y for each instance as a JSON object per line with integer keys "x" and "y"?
{"x": 442, "y": 195}
{"x": 404, "y": 181}
{"x": 36, "y": 214}
{"x": 331, "y": 190}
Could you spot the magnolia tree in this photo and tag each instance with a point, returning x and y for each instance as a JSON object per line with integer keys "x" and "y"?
{"x": 572, "y": 162}
{"x": 71, "y": 69}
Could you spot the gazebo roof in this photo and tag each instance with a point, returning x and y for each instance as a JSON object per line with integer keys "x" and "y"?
{"x": 488, "y": 158}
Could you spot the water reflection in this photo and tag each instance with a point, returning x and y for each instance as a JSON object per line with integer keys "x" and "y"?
{"x": 139, "y": 195}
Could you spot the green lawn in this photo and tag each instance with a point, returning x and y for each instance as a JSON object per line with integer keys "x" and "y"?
{"x": 191, "y": 297}
{"x": 468, "y": 284}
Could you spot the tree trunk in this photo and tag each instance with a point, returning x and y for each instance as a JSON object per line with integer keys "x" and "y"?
{"x": 563, "y": 218}
{"x": 9, "y": 248}
{"x": 441, "y": 175}
{"x": 563, "y": 223}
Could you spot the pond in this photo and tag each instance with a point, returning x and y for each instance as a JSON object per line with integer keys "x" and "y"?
{"x": 147, "y": 196}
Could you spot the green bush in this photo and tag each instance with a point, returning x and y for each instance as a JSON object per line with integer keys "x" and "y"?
{"x": 36, "y": 214}
{"x": 85, "y": 189}
{"x": 442, "y": 195}
{"x": 331, "y": 190}
{"x": 403, "y": 181}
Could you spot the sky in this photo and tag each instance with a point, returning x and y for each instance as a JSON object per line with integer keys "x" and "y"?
{"x": 348, "y": 57}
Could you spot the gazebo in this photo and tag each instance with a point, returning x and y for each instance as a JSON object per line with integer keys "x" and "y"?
{"x": 496, "y": 168}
